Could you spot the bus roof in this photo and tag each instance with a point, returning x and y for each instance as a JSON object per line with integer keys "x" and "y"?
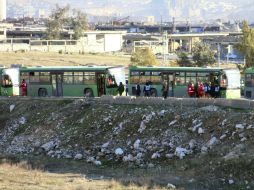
{"x": 65, "y": 68}
{"x": 201, "y": 69}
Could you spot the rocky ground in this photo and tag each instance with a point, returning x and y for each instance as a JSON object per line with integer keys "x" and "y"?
{"x": 183, "y": 147}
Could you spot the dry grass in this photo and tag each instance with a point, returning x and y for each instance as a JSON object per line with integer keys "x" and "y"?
{"x": 22, "y": 177}
{"x": 50, "y": 59}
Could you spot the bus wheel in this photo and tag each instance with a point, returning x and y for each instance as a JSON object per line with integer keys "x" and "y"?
{"x": 88, "y": 92}
{"x": 153, "y": 92}
{"x": 42, "y": 92}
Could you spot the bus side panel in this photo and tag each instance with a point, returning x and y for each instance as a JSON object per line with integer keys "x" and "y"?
{"x": 111, "y": 91}
{"x": 78, "y": 90}
{"x": 33, "y": 89}
{"x": 180, "y": 91}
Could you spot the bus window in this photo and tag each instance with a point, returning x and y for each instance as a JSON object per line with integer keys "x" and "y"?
{"x": 34, "y": 77}
{"x": 68, "y": 78}
{"x": 89, "y": 78}
{"x": 145, "y": 76}
{"x": 191, "y": 77}
{"x": 180, "y": 78}
{"x": 24, "y": 76}
{"x": 156, "y": 78}
{"x": 203, "y": 77}
{"x": 78, "y": 78}
{"x": 134, "y": 78}
{"x": 7, "y": 81}
{"x": 44, "y": 77}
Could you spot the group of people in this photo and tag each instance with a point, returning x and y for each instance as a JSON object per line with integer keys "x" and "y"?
{"x": 200, "y": 90}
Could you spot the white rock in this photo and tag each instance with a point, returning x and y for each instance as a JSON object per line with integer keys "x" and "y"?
{"x": 231, "y": 156}
{"x": 171, "y": 186}
{"x": 139, "y": 155}
{"x": 105, "y": 145}
{"x": 192, "y": 144}
{"x": 90, "y": 159}
{"x": 119, "y": 151}
{"x": 97, "y": 163}
{"x": 22, "y": 120}
{"x": 78, "y": 156}
{"x": 142, "y": 127}
{"x": 250, "y": 127}
{"x": 201, "y": 131}
{"x": 156, "y": 155}
{"x": 49, "y": 146}
{"x": 181, "y": 152}
{"x": 223, "y": 137}
{"x": 12, "y": 107}
{"x": 172, "y": 123}
{"x": 137, "y": 144}
{"x": 212, "y": 142}
{"x": 204, "y": 150}
{"x": 243, "y": 139}
{"x": 231, "y": 181}
{"x": 239, "y": 126}
{"x": 196, "y": 126}
{"x": 162, "y": 113}
{"x": 128, "y": 158}
{"x": 170, "y": 156}
{"x": 224, "y": 122}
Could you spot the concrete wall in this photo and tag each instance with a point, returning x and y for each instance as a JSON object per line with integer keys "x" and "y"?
{"x": 97, "y": 43}
{"x": 236, "y": 103}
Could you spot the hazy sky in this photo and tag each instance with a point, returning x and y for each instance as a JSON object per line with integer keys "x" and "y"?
{"x": 182, "y": 9}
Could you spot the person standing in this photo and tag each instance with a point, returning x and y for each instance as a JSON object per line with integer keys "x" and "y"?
{"x": 120, "y": 89}
{"x": 201, "y": 90}
{"x": 147, "y": 89}
{"x": 138, "y": 90}
{"x": 191, "y": 90}
{"x": 216, "y": 91}
{"x": 24, "y": 87}
{"x": 126, "y": 87}
{"x": 165, "y": 90}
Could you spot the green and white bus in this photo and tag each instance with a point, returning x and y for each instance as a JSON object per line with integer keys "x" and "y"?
{"x": 89, "y": 81}
{"x": 178, "y": 79}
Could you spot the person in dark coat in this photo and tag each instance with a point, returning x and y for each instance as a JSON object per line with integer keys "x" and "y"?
{"x": 120, "y": 88}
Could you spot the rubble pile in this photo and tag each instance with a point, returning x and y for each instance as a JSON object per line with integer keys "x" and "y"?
{"x": 140, "y": 136}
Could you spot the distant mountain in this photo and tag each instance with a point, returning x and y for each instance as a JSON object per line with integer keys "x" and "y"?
{"x": 166, "y": 9}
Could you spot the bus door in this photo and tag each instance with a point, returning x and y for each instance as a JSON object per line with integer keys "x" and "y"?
{"x": 57, "y": 84}
{"x": 168, "y": 79}
{"x": 100, "y": 78}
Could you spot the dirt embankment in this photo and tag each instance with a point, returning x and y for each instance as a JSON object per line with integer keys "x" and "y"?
{"x": 186, "y": 147}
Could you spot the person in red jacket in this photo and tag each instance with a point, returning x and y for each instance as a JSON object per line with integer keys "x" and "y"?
{"x": 24, "y": 87}
{"x": 191, "y": 90}
{"x": 201, "y": 90}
